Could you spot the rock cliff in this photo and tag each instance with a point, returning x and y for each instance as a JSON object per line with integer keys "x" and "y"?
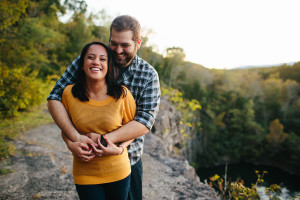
{"x": 165, "y": 145}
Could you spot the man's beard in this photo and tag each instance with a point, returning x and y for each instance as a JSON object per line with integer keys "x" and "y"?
{"x": 128, "y": 57}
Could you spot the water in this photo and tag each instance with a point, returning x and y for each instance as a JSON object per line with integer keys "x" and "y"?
{"x": 290, "y": 184}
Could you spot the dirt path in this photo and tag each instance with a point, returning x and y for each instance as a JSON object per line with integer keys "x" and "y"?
{"x": 42, "y": 168}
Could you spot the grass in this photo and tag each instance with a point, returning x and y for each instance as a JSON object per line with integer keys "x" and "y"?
{"x": 4, "y": 171}
{"x": 11, "y": 128}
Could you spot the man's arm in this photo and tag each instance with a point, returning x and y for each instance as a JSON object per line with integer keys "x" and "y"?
{"x": 61, "y": 118}
{"x": 147, "y": 109}
{"x": 129, "y": 131}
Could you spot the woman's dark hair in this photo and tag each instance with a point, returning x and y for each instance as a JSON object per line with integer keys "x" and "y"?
{"x": 111, "y": 79}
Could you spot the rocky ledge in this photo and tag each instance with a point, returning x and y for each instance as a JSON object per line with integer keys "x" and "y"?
{"x": 42, "y": 169}
{"x": 170, "y": 177}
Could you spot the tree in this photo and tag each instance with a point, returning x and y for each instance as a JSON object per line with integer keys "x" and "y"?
{"x": 11, "y": 12}
{"x": 289, "y": 95}
{"x": 173, "y": 65}
{"x": 276, "y": 136}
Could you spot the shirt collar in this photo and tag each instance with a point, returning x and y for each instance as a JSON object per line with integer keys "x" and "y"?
{"x": 134, "y": 63}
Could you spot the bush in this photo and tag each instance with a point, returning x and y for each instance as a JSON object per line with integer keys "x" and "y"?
{"x": 19, "y": 90}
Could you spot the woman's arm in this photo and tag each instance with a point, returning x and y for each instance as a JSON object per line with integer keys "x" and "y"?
{"x": 111, "y": 148}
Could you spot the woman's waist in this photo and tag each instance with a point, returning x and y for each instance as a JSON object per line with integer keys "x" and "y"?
{"x": 103, "y": 164}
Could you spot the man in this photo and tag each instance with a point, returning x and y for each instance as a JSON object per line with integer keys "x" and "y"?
{"x": 143, "y": 82}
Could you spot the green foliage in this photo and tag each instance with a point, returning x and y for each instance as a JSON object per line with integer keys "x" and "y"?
{"x": 11, "y": 11}
{"x": 188, "y": 108}
{"x": 11, "y": 128}
{"x": 6, "y": 148}
{"x": 238, "y": 191}
{"x": 4, "y": 171}
{"x": 237, "y": 106}
{"x": 173, "y": 70}
{"x": 276, "y": 136}
{"x": 78, "y": 32}
{"x": 19, "y": 90}
{"x": 273, "y": 191}
{"x": 35, "y": 44}
{"x": 35, "y": 48}
{"x": 78, "y": 6}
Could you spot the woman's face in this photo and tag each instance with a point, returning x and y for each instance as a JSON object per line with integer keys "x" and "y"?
{"x": 95, "y": 63}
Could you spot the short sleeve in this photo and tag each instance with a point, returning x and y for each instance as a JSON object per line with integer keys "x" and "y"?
{"x": 66, "y": 97}
{"x": 129, "y": 108}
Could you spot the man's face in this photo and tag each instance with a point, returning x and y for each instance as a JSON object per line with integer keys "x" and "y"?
{"x": 123, "y": 47}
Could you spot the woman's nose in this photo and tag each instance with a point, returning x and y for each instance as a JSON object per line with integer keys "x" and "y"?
{"x": 96, "y": 62}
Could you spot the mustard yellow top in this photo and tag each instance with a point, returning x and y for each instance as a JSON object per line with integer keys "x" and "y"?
{"x": 100, "y": 117}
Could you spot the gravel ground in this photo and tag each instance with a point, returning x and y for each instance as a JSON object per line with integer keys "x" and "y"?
{"x": 42, "y": 169}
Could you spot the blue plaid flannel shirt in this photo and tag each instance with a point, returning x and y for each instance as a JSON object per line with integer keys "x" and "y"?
{"x": 143, "y": 82}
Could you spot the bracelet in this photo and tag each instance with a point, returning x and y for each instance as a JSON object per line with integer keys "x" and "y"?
{"x": 122, "y": 149}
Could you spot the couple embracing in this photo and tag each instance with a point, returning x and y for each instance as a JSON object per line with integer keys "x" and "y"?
{"x": 104, "y": 103}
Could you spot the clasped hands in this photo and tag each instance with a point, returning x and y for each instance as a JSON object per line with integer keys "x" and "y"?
{"x": 89, "y": 146}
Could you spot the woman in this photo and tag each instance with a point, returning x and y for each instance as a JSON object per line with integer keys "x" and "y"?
{"x": 96, "y": 103}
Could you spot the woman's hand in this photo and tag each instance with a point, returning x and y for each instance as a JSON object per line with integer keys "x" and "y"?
{"x": 81, "y": 151}
{"x": 111, "y": 148}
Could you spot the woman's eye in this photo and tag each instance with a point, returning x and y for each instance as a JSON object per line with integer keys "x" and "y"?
{"x": 90, "y": 57}
{"x": 103, "y": 59}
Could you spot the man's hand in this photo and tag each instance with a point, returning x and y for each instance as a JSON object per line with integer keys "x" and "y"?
{"x": 94, "y": 137}
{"x": 111, "y": 148}
{"x": 88, "y": 140}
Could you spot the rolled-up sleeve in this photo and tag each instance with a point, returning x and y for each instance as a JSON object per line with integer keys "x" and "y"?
{"x": 148, "y": 104}
{"x": 69, "y": 77}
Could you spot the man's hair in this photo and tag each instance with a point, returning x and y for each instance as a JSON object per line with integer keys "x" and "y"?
{"x": 113, "y": 88}
{"x": 124, "y": 23}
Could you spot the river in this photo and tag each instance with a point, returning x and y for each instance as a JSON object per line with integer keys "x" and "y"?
{"x": 289, "y": 183}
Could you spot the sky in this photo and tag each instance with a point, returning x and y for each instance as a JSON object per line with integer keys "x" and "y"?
{"x": 219, "y": 34}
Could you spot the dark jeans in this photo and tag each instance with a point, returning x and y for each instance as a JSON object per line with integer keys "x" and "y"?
{"x": 109, "y": 191}
{"x": 135, "y": 191}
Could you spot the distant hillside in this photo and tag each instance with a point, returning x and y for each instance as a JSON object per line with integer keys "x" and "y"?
{"x": 264, "y": 66}
{"x": 285, "y": 71}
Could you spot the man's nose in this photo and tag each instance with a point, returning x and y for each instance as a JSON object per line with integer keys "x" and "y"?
{"x": 119, "y": 49}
